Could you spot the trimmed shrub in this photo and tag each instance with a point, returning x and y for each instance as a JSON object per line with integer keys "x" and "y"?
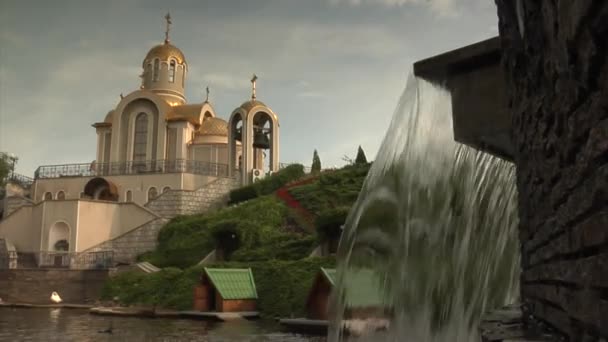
{"x": 267, "y": 185}
{"x": 243, "y": 194}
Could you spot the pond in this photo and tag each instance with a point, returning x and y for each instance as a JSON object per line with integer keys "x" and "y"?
{"x": 78, "y": 325}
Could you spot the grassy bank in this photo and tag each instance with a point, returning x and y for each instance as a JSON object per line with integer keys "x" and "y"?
{"x": 263, "y": 237}
{"x": 282, "y": 285}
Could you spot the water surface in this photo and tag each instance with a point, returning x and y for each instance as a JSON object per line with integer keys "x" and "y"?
{"x": 66, "y": 325}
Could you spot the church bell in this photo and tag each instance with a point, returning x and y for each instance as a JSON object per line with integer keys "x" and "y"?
{"x": 260, "y": 140}
{"x": 239, "y": 134}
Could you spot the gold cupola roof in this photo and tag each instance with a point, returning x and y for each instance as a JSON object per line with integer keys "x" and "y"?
{"x": 213, "y": 126}
{"x": 166, "y": 50}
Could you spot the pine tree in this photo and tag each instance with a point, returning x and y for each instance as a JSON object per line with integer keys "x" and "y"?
{"x": 316, "y": 163}
{"x": 361, "y": 159}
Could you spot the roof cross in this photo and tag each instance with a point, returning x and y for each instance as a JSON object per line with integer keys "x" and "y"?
{"x": 255, "y": 78}
{"x": 168, "y": 19}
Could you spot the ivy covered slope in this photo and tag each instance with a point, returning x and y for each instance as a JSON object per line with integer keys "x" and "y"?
{"x": 261, "y": 234}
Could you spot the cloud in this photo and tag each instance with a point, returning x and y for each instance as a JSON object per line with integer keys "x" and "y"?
{"x": 443, "y": 8}
{"x": 226, "y": 81}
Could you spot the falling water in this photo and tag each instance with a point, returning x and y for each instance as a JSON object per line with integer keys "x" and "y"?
{"x": 431, "y": 243}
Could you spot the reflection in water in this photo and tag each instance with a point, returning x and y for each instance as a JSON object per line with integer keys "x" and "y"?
{"x": 435, "y": 228}
{"x": 67, "y": 325}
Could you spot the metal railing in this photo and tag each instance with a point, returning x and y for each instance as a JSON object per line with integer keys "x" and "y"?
{"x": 132, "y": 168}
{"x": 8, "y": 260}
{"x": 24, "y": 181}
{"x": 73, "y": 260}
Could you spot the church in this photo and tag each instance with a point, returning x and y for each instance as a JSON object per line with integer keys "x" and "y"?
{"x": 157, "y": 157}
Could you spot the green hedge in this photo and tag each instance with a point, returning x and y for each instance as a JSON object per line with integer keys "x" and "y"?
{"x": 332, "y": 189}
{"x": 328, "y": 223}
{"x": 185, "y": 241}
{"x": 268, "y": 185}
{"x": 282, "y": 286}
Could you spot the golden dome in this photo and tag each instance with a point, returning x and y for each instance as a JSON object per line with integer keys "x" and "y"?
{"x": 190, "y": 113}
{"x": 213, "y": 126}
{"x": 165, "y": 52}
{"x": 108, "y": 118}
{"x": 248, "y": 105}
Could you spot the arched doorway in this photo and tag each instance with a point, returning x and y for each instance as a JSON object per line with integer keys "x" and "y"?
{"x": 101, "y": 189}
{"x": 59, "y": 237}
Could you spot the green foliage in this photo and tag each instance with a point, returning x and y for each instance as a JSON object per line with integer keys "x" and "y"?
{"x": 329, "y": 222}
{"x": 360, "y": 159}
{"x": 5, "y": 168}
{"x": 185, "y": 241}
{"x": 243, "y": 194}
{"x": 286, "y": 247}
{"x": 316, "y": 163}
{"x": 268, "y": 185}
{"x": 282, "y": 286}
{"x": 332, "y": 189}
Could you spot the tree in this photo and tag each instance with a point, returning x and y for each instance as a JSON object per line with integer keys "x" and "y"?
{"x": 316, "y": 163}
{"x": 361, "y": 159}
{"x": 5, "y": 168}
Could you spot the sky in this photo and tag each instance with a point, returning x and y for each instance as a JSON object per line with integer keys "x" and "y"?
{"x": 332, "y": 70}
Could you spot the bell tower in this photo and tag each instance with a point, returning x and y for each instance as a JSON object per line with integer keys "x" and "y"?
{"x": 256, "y": 126}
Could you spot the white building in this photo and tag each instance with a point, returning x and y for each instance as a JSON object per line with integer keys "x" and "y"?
{"x": 157, "y": 157}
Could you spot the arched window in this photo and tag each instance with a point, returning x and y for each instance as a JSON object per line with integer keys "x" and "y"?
{"x": 83, "y": 195}
{"x": 141, "y": 137}
{"x": 61, "y": 195}
{"x": 148, "y": 71}
{"x": 165, "y": 189}
{"x": 152, "y": 193}
{"x": 129, "y": 196}
{"x": 172, "y": 71}
{"x": 47, "y": 196}
{"x": 156, "y": 70}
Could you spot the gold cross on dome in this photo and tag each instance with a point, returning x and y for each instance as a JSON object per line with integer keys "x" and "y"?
{"x": 168, "y": 19}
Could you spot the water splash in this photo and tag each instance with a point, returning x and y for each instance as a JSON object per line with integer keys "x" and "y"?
{"x": 434, "y": 228}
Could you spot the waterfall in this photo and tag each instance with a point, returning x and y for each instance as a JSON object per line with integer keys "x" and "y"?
{"x": 431, "y": 243}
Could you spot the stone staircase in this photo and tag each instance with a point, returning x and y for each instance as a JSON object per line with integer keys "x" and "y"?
{"x": 212, "y": 196}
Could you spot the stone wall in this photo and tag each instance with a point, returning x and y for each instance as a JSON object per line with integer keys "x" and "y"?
{"x": 36, "y": 285}
{"x": 183, "y": 202}
{"x": 13, "y": 203}
{"x": 556, "y": 67}
{"x": 137, "y": 241}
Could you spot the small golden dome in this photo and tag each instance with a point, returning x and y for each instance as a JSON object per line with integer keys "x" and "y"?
{"x": 108, "y": 118}
{"x": 213, "y": 126}
{"x": 165, "y": 52}
{"x": 248, "y": 105}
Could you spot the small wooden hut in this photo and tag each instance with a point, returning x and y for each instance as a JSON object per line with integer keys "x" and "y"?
{"x": 363, "y": 295}
{"x": 226, "y": 290}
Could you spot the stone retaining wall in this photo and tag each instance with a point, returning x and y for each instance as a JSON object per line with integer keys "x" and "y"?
{"x": 129, "y": 245}
{"x": 36, "y": 285}
{"x": 183, "y": 202}
{"x": 13, "y": 203}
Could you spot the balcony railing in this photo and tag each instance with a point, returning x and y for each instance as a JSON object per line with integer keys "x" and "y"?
{"x": 81, "y": 261}
{"x": 24, "y": 181}
{"x": 132, "y": 168}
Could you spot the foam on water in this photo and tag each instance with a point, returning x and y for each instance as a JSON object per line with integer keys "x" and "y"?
{"x": 434, "y": 226}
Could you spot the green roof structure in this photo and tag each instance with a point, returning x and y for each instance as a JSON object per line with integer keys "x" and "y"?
{"x": 363, "y": 287}
{"x": 233, "y": 283}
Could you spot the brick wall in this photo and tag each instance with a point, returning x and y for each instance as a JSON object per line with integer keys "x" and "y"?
{"x": 557, "y": 79}
{"x": 183, "y": 202}
{"x": 36, "y": 285}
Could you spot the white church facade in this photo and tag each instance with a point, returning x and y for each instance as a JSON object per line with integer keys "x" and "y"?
{"x": 157, "y": 157}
